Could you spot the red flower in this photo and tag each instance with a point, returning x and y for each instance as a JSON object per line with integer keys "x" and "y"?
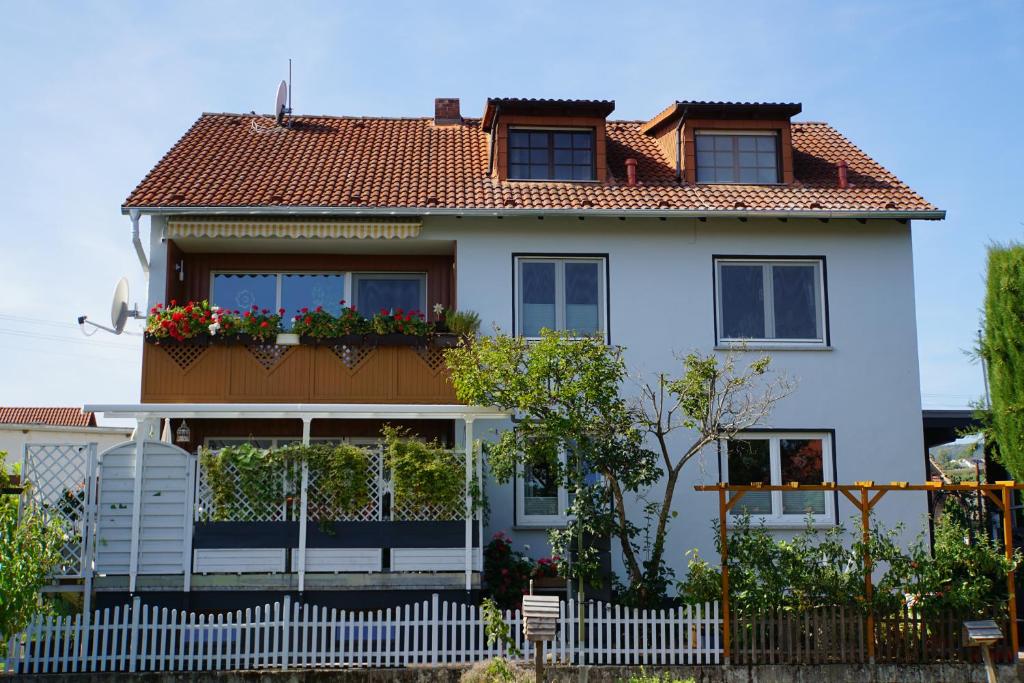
{"x": 305, "y": 309}
{"x": 264, "y": 324}
{"x": 280, "y": 311}
{"x": 174, "y": 302}
{"x": 319, "y": 309}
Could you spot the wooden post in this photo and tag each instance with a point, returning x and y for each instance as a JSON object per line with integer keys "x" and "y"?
{"x": 538, "y": 661}
{"x": 1011, "y": 577}
{"x": 865, "y": 522}
{"x": 723, "y": 539}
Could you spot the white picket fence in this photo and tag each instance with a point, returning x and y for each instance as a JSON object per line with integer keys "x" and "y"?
{"x": 141, "y": 638}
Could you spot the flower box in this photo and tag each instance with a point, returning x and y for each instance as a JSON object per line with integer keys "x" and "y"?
{"x": 445, "y": 340}
{"x": 201, "y": 340}
{"x": 395, "y": 339}
{"x": 549, "y": 583}
{"x": 344, "y": 340}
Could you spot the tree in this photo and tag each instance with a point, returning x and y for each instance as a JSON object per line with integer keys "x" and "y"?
{"x": 572, "y": 419}
{"x": 29, "y": 549}
{"x": 1002, "y": 348}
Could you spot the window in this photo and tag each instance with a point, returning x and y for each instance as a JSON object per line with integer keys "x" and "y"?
{"x": 540, "y": 501}
{"x": 780, "y": 458}
{"x": 726, "y": 157}
{"x": 535, "y": 154}
{"x": 560, "y": 294}
{"x": 370, "y": 292}
{"x": 780, "y": 301}
{"x": 373, "y": 292}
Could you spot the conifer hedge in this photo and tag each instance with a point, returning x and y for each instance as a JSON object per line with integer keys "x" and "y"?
{"x": 1003, "y": 350}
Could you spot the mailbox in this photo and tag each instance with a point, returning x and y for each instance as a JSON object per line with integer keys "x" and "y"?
{"x": 982, "y": 633}
{"x": 540, "y": 617}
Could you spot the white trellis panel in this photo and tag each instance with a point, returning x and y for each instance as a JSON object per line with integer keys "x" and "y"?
{"x": 140, "y": 638}
{"x": 320, "y": 506}
{"x": 164, "y": 509}
{"x": 62, "y": 488}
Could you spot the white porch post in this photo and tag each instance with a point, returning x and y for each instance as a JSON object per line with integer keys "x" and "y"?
{"x": 469, "y": 502}
{"x": 142, "y": 429}
{"x": 306, "y": 422}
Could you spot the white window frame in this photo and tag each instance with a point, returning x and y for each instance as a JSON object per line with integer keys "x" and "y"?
{"x": 560, "y": 261}
{"x": 348, "y": 286}
{"x": 540, "y": 521}
{"x": 740, "y": 133}
{"x": 777, "y": 518}
{"x": 767, "y": 263}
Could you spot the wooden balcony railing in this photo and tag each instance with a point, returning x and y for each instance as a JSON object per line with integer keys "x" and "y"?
{"x": 268, "y": 373}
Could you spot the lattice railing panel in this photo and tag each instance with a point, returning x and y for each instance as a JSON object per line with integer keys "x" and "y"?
{"x": 184, "y": 355}
{"x": 428, "y": 513}
{"x": 58, "y": 475}
{"x": 352, "y": 356}
{"x": 272, "y": 505}
{"x": 322, "y": 508}
{"x": 432, "y": 357}
{"x": 268, "y": 355}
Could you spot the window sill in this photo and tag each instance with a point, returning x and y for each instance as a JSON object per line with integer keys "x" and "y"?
{"x": 775, "y": 524}
{"x": 540, "y": 526}
{"x": 769, "y": 346}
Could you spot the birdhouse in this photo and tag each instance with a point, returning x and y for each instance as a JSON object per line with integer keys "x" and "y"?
{"x": 540, "y": 617}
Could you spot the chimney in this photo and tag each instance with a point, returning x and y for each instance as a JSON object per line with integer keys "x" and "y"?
{"x": 631, "y": 172}
{"x": 446, "y": 111}
{"x": 844, "y": 181}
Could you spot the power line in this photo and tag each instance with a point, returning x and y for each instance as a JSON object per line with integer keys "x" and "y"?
{"x": 67, "y": 340}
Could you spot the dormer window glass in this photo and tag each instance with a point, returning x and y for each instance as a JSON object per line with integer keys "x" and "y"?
{"x": 737, "y": 157}
{"x": 551, "y": 154}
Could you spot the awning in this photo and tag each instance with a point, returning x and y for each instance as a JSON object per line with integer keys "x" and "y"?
{"x": 178, "y": 228}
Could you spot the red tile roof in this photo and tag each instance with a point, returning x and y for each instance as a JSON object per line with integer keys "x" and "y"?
{"x": 51, "y": 417}
{"x": 232, "y": 160}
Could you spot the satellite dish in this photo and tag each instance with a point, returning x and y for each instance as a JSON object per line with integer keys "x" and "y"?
{"x": 119, "y": 307}
{"x": 119, "y": 312}
{"x": 282, "y": 102}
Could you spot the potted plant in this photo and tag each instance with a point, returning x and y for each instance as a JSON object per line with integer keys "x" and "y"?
{"x": 398, "y": 328}
{"x": 313, "y": 326}
{"x": 545, "y": 574}
{"x": 457, "y": 325}
{"x": 259, "y": 325}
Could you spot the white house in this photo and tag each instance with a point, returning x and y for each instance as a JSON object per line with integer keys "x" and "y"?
{"x": 708, "y": 224}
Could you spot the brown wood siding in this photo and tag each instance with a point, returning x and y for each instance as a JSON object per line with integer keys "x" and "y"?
{"x": 305, "y": 374}
{"x": 199, "y": 267}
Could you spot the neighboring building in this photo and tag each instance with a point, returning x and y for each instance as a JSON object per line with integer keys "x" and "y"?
{"x": 20, "y": 426}
{"x": 708, "y": 224}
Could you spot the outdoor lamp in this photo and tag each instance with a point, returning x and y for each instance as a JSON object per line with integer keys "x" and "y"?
{"x": 183, "y": 434}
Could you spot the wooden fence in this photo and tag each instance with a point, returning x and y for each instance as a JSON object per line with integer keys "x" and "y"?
{"x": 140, "y": 638}
{"x": 837, "y": 636}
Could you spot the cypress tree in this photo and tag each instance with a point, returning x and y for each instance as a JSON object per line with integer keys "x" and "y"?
{"x": 1003, "y": 350}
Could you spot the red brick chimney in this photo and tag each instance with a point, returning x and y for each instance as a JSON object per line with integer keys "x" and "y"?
{"x": 446, "y": 111}
{"x": 631, "y": 171}
{"x": 844, "y": 180}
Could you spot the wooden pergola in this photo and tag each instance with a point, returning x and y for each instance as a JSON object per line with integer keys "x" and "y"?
{"x": 864, "y": 495}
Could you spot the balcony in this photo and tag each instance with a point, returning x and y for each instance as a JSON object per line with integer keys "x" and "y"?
{"x": 307, "y": 373}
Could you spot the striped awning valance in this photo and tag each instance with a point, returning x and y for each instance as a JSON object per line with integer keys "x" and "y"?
{"x": 178, "y": 228}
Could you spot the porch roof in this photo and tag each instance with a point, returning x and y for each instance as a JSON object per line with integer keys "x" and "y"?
{"x": 299, "y": 411}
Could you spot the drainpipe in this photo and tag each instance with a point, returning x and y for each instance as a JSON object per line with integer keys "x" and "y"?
{"x": 137, "y": 241}
{"x": 679, "y": 146}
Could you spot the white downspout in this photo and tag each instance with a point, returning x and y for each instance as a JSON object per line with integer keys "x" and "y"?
{"x": 134, "y": 214}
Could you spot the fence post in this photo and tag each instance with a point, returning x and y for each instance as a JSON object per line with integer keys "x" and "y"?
{"x": 434, "y": 617}
{"x": 133, "y": 650}
{"x": 13, "y": 645}
{"x": 286, "y": 633}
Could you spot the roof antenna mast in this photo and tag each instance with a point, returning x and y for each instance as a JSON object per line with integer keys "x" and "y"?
{"x": 289, "y": 92}
{"x": 284, "y": 99}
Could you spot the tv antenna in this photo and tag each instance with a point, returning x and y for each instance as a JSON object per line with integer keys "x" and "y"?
{"x": 119, "y": 312}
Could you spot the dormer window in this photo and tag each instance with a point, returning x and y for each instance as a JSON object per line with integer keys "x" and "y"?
{"x": 737, "y": 157}
{"x": 551, "y": 154}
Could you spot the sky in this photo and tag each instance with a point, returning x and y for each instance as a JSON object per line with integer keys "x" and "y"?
{"x": 97, "y": 92}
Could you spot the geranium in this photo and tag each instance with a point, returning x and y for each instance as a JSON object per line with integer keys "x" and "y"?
{"x": 546, "y": 567}
{"x": 260, "y": 324}
{"x": 317, "y": 323}
{"x": 179, "y": 322}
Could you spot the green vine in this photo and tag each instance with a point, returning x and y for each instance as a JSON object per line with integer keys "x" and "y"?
{"x": 260, "y": 478}
{"x": 424, "y": 473}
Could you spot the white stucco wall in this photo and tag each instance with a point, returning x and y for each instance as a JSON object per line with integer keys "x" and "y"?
{"x": 865, "y": 388}
{"x": 14, "y": 437}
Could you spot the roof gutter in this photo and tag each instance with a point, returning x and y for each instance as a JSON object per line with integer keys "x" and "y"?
{"x": 356, "y": 212}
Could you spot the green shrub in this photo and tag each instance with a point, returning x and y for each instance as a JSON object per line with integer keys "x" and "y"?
{"x": 506, "y": 572}
{"x": 424, "y": 474}
{"x": 462, "y": 323}
{"x": 499, "y": 670}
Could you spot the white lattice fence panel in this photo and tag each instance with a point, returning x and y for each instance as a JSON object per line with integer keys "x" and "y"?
{"x": 322, "y": 508}
{"x": 402, "y": 511}
{"x": 270, "y": 507}
{"x": 60, "y": 476}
